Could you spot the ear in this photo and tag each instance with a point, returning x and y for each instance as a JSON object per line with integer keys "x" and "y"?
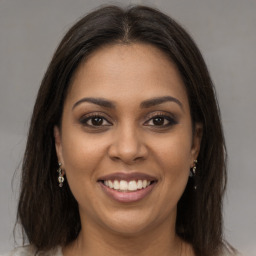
{"x": 58, "y": 144}
{"x": 196, "y": 142}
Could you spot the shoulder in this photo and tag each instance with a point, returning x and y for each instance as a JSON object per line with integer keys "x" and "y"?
{"x": 22, "y": 251}
{"x": 32, "y": 251}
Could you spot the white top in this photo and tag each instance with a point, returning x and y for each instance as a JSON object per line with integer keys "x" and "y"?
{"x": 30, "y": 251}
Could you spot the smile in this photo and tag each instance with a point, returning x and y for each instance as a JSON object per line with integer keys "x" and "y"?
{"x": 126, "y": 188}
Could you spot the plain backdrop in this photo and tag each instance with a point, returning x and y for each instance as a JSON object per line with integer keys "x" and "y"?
{"x": 224, "y": 30}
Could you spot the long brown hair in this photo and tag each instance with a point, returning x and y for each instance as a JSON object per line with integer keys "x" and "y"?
{"x": 49, "y": 215}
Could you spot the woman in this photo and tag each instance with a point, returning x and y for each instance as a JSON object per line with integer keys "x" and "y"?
{"x": 127, "y": 115}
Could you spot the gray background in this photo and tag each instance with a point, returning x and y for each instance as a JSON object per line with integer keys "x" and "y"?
{"x": 224, "y": 31}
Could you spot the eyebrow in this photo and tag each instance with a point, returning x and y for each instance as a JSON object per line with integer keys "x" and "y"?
{"x": 145, "y": 104}
{"x": 98, "y": 101}
{"x": 159, "y": 100}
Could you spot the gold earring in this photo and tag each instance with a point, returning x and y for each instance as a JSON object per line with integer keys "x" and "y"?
{"x": 193, "y": 169}
{"x": 193, "y": 174}
{"x": 61, "y": 174}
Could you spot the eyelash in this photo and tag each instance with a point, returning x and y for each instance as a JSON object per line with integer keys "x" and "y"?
{"x": 89, "y": 118}
{"x": 85, "y": 119}
{"x": 167, "y": 118}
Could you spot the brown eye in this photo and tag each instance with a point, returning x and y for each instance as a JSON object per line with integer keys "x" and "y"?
{"x": 158, "y": 120}
{"x": 161, "y": 121}
{"x": 97, "y": 121}
{"x": 94, "y": 121}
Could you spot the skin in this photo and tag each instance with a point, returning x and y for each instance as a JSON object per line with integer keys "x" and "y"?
{"x": 128, "y": 140}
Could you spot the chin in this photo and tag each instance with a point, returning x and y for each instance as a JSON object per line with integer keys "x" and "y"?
{"x": 129, "y": 223}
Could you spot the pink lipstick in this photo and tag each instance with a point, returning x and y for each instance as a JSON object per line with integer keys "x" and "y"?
{"x": 127, "y": 187}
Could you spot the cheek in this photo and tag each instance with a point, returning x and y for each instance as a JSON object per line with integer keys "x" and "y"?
{"x": 173, "y": 156}
{"x": 174, "y": 163}
{"x": 174, "y": 151}
{"x": 81, "y": 160}
{"x": 80, "y": 152}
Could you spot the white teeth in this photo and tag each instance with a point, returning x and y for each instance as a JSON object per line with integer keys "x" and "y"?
{"x": 123, "y": 185}
{"x": 110, "y": 184}
{"x": 116, "y": 185}
{"x": 132, "y": 185}
{"x": 139, "y": 184}
{"x": 144, "y": 183}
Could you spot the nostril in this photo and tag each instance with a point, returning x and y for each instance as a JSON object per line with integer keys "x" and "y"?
{"x": 128, "y": 150}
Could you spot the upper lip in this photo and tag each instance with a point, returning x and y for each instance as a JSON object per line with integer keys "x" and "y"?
{"x": 127, "y": 176}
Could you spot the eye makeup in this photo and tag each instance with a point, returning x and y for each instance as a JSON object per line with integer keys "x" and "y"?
{"x": 161, "y": 119}
{"x": 95, "y": 121}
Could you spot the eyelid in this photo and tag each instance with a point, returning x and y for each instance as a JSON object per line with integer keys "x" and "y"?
{"x": 170, "y": 117}
{"x": 85, "y": 118}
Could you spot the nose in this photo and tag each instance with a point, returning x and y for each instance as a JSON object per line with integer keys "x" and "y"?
{"x": 128, "y": 145}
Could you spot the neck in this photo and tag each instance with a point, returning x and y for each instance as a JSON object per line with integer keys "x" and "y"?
{"x": 161, "y": 240}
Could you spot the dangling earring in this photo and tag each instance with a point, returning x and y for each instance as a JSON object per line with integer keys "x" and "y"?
{"x": 193, "y": 169}
{"x": 193, "y": 172}
{"x": 60, "y": 178}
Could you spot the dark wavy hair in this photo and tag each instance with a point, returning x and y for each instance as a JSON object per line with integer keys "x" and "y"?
{"x": 49, "y": 215}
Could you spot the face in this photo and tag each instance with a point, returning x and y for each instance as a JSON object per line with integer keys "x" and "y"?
{"x": 126, "y": 143}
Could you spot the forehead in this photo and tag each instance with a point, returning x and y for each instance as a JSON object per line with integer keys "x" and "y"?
{"x": 121, "y": 72}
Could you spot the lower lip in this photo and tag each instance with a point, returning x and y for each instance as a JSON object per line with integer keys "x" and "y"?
{"x": 127, "y": 197}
